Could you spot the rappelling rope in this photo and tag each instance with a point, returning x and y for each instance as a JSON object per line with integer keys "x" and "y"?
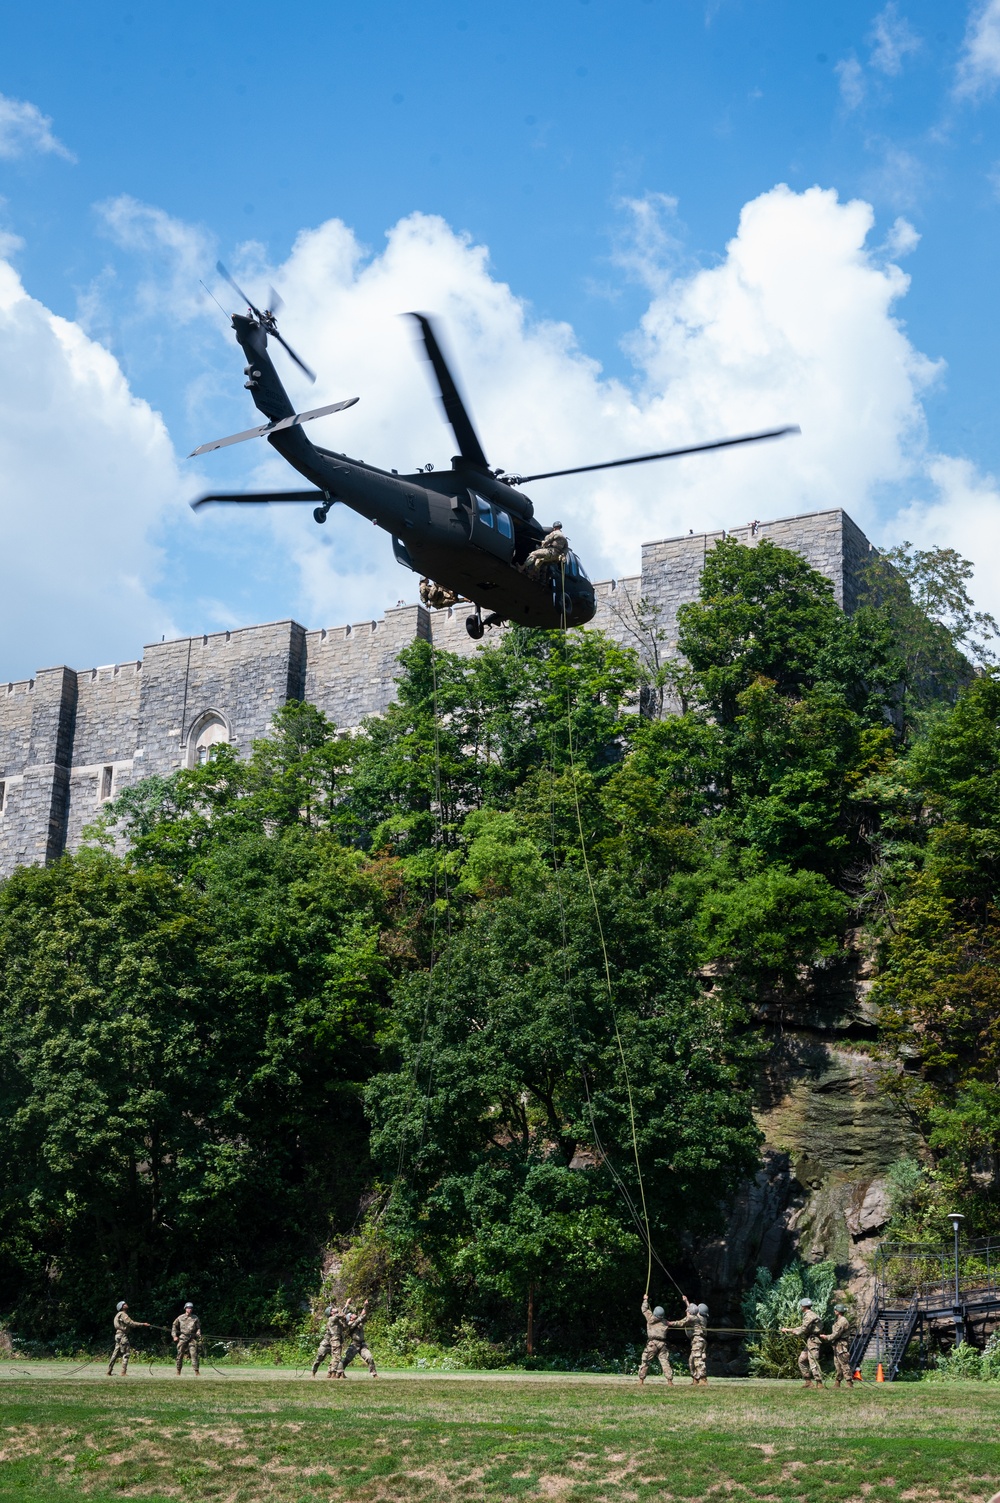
{"x": 607, "y": 975}
{"x": 438, "y": 851}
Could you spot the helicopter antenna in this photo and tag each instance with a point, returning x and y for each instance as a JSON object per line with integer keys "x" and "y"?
{"x": 215, "y": 300}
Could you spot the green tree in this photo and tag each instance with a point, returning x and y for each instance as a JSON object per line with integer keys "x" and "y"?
{"x": 177, "y": 1078}
{"x": 504, "y": 1117}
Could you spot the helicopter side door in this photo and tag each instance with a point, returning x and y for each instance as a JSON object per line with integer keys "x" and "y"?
{"x": 492, "y": 528}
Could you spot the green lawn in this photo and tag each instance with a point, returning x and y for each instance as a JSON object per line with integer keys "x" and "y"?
{"x": 264, "y": 1435}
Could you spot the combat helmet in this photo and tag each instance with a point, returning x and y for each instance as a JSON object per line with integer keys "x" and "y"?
{"x": 120, "y": 1305}
{"x": 659, "y": 1312}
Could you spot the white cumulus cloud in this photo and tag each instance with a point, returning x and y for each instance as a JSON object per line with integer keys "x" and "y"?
{"x": 799, "y": 322}
{"x": 24, "y": 129}
{"x": 86, "y": 472}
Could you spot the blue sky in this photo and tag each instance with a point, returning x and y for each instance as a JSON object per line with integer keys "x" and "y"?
{"x": 602, "y": 153}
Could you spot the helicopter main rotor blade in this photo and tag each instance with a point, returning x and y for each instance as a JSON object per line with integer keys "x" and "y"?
{"x": 259, "y": 498}
{"x": 614, "y": 464}
{"x": 454, "y": 408}
{"x": 266, "y": 428}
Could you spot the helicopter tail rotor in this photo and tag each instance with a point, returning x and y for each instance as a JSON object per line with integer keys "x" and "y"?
{"x": 267, "y": 319}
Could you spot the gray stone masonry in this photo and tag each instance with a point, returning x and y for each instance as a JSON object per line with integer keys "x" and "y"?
{"x": 69, "y": 740}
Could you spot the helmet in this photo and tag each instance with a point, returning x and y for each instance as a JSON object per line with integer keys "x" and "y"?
{"x": 840, "y": 1309}
{"x": 555, "y": 525}
{"x": 328, "y": 1310}
{"x": 804, "y": 1302}
{"x": 120, "y": 1305}
{"x": 702, "y": 1309}
{"x": 188, "y": 1305}
{"x": 659, "y": 1313}
{"x": 692, "y": 1309}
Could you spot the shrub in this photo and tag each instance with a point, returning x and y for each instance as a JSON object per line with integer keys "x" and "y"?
{"x": 771, "y": 1303}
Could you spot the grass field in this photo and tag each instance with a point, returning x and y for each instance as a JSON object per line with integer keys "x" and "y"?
{"x": 268, "y": 1437}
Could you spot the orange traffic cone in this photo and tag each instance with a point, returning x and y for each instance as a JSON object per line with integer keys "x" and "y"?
{"x": 857, "y": 1376}
{"x": 880, "y": 1375}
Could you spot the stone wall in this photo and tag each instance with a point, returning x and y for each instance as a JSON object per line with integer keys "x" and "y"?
{"x": 69, "y": 740}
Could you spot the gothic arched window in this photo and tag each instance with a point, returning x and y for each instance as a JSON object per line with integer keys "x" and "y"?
{"x": 210, "y": 731}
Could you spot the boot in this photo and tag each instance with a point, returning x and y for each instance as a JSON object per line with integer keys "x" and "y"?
{"x": 670, "y": 1382}
{"x": 807, "y": 1383}
{"x": 703, "y": 1382}
{"x": 642, "y": 1377}
{"x": 836, "y": 1382}
{"x": 850, "y": 1382}
{"x": 818, "y": 1383}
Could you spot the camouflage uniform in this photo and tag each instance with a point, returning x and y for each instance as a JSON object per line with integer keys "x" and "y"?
{"x": 656, "y": 1348}
{"x": 841, "y": 1349}
{"x": 123, "y": 1324}
{"x": 552, "y": 550}
{"x": 186, "y": 1331}
{"x": 809, "y": 1358}
{"x": 437, "y": 597}
{"x": 358, "y": 1346}
{"x": 332, "y": 1343}
{"x": 696, "y": 1326}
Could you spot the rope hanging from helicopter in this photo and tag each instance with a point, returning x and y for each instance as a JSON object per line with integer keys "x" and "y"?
{"x": 640, "y": 1213}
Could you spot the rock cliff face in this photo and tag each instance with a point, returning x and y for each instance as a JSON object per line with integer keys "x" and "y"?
{"x": 831, "y": 1133}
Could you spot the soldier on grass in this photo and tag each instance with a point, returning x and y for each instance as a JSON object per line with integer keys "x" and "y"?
{"x": 809, "y": 1330}
{"x": 186, "y": 1332}
{"x": 695, "y": 1322}
{"x": 838, "y": 1339}
{"x": 332, "y": 1342}
{"x": 656, "y": 1348}
{"x": 123, "y": 1323}
{"x": 358, "y": 1346}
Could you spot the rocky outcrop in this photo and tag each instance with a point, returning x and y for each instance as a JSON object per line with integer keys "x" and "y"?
{"x": 831, "y": 1130}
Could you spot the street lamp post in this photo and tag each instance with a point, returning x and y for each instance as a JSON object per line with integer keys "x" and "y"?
{"x": 956, "y": 1218}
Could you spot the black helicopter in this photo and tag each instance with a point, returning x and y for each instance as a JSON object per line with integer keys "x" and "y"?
{"x": 469, "y": 529}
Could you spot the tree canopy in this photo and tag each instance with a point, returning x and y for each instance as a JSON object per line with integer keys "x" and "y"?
{"x": 474, "y": 985}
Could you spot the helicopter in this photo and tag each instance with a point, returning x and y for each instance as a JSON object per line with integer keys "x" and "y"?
{"x": 471, "y": 529}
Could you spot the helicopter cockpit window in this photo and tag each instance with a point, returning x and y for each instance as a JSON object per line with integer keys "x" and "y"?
{"x": 484, "y": 511}
{"x": 503, "y": 523}
{"x": 574, "y": 566}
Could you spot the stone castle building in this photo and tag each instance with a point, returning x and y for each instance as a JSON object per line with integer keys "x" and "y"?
{"x": 71, "y": 740}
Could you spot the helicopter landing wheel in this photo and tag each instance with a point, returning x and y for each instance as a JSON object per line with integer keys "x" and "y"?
{"x": 474, "y": 626}
{"x": 320, "y": 513}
